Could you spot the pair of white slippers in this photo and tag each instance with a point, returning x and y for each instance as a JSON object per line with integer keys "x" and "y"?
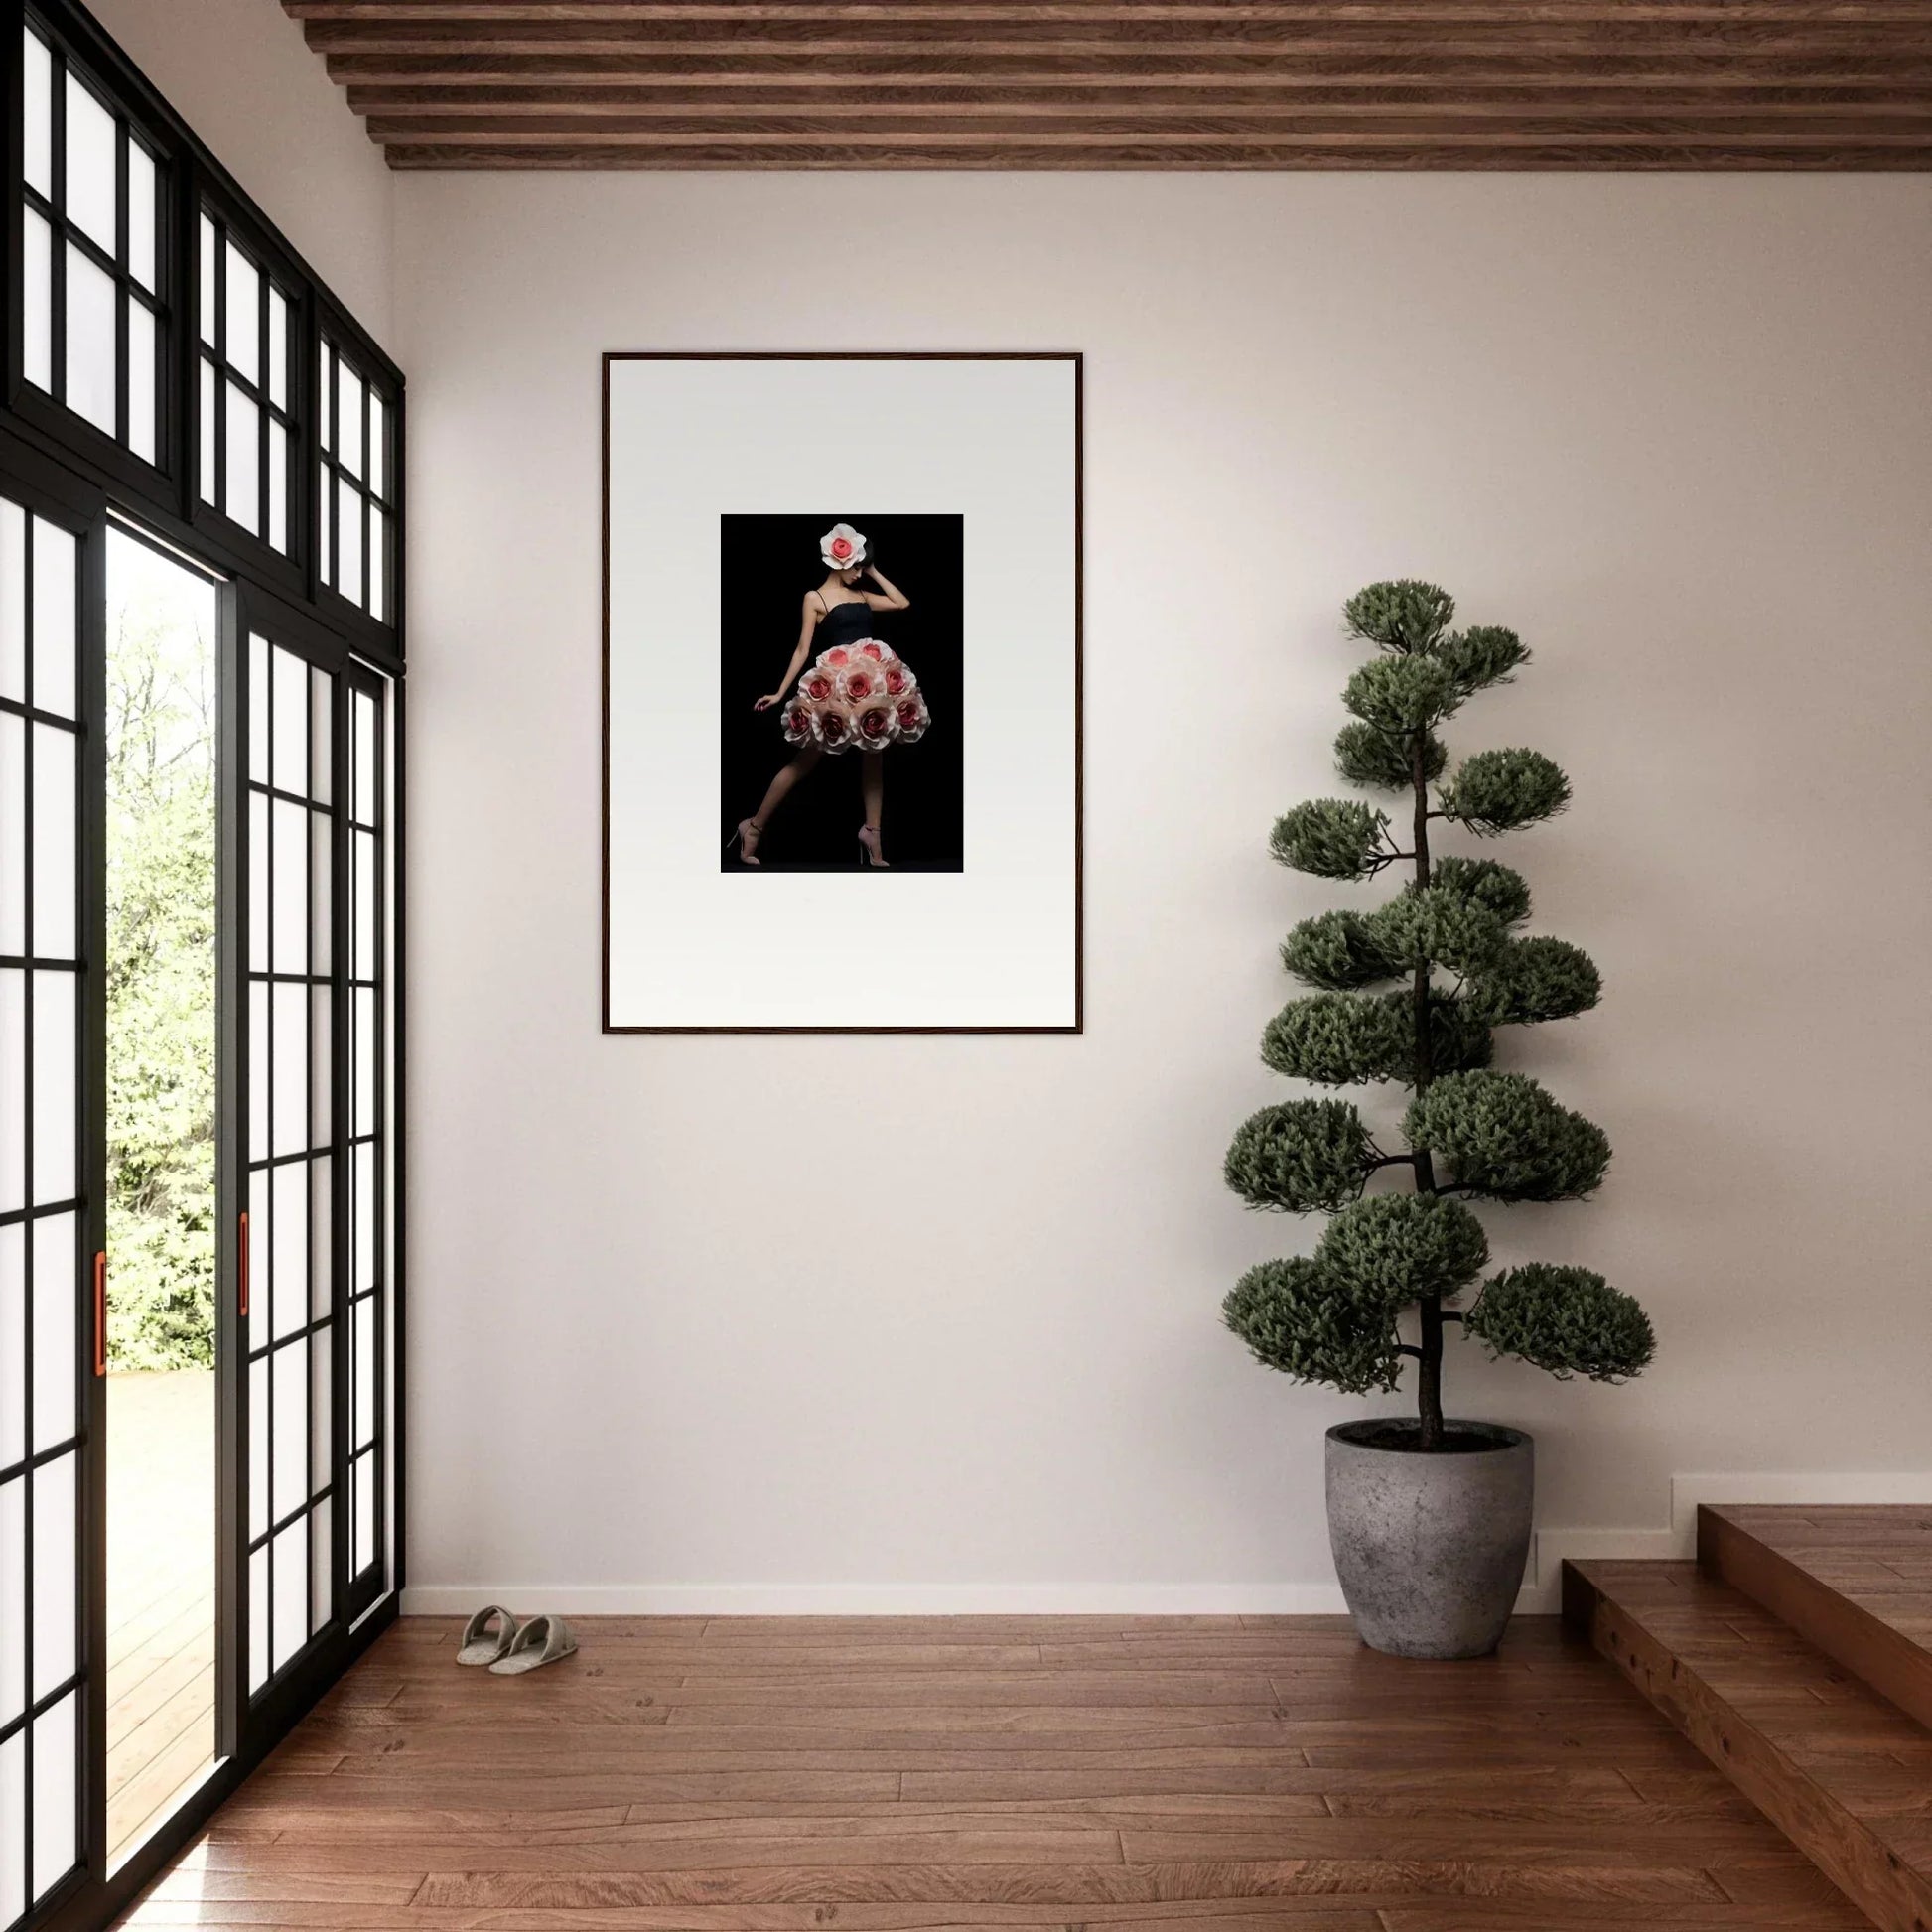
{"x": 493, "y": 1638}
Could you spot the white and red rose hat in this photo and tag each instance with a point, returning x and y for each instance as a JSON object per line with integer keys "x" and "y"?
{"x": 842, "y": 547}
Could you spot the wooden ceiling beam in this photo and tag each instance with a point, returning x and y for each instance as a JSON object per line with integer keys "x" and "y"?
{"x": 1141, "y": 84}
{"x": 1527, "y": 157}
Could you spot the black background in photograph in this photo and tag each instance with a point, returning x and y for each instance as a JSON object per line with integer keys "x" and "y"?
{"x": 767, "y": 565}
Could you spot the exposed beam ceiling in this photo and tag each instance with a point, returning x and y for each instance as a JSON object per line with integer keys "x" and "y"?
{"x": 1136, "y": 84}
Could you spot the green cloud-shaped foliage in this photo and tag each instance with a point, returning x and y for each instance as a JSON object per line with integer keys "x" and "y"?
{"x": 1393, "y": 1249}
{"x": 1435, "y": 925}
{"x": 1401, "y": 615}
{"x": 1532, "y": 980}
{"x": 1480, "y": 656}
{"x": 1333, "y": 838}
{"x": 1402, "y": 694}
{"x": 1294, "y": 1319}
{"x": 1337, "y": 951}
{"x": 1339, "y": 1041}
{"x": 1567, "y": 1320}
{"x": 1495, "y": 887}
{"x": 1300, "y": 1156}
{"x": 1507, "y": 1139}
{"x": 1365, "y": 755}
{"x": 1502, "y": 791}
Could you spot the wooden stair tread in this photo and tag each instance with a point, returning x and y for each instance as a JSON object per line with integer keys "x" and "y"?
{"x": 1855, "y": 1582}
{"x": 1841, "y": 1770}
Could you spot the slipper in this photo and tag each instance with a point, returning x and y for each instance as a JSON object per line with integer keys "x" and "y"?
{"x": 542, "y": 1640}
{"x": 482, "y": 1646}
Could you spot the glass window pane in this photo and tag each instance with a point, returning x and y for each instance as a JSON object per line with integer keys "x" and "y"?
{"x": 349, "y": 540}
{"x": 363, "y": 1480}
{"x": 258, "y": 893}
{"x": 90, "y": 342}
{"x": 140, "y": 379}
{"x": 56, "y": 561}
{"x": 13, "y": 841}
{"x": 364, "y": 758}
{"x": 258, "y": 1618}
{"x": 258, "y": 1047}
{"x": 54, "y": 1339}
{"x": 278, "y": 348}
{"x": 53, "y": 1579}
{"x": 363, "y": 1275}
{"x": 326, "y": 423}
{"x": 54, "y": 878}
{"x": 56, "y": 1757}
{"x": 244, "y": 346}
{"x": 13, "y": 1773}
{"x": 291, "y": 1242}
{"x": 260, "y": 1286}
{"x": 13, "y": 605}
{"x": 13, "y": 1394}
{"x": 378, "y": 444}
{"x": 291, "y": 916}
{"x": 209, "y": 254}
{"x": 291, "y": 723}
{"x": 322, "y": 1544}
{"x": 291, "y": 1446}
{"x": 348, "y": 420}
{"x": 291, "y": 1624}
{"x": 379, "y": 565}
{"x": 321, "y": 895}
{"x": 209, "y": 455}
{"x": 13, "y": 1089}
{"x": 321, "y": 701}
{"x": 54, "y": 1075}
{"x": 291, "y": 1100}
{"x": 143, "y": 190}
{"x": 13, "y": 1607}
{"x": 242, "y": 500}
{"x": 37, "y": 294}
{"x": 324, "y": 508}
{"x": 364, "y": 1112}
{"x": 363, "y": 966}
{"x": 37, "y": 121}
{"x": 93, "y": 138}
{"x": 322, "y": 1213}
{"x": 259, "y": 695}
{"x": 278, "y": 487}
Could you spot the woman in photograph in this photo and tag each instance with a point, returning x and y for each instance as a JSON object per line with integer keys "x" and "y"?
{"x": 858, "y": 692}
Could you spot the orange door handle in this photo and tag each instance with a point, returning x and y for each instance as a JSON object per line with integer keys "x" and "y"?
{"x": 100, "y": 1315}
{"x": 242, "y": 1265}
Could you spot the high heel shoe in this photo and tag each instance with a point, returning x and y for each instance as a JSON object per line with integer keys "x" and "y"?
{"x": 746, "y": 854}
{"x": 869, "y": 849}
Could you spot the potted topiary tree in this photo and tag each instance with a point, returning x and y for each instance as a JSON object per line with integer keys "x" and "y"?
{"x": 1428, "y": 1518}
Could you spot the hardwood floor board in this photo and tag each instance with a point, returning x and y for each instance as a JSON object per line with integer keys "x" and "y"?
{"x": 847, "y": 1780}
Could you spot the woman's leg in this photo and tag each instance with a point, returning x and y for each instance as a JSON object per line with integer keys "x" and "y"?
{"x": 787, "y": 776}
{"x": 872, "y": 781}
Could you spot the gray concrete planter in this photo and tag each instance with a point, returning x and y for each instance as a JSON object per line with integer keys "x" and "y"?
{"x": 1430, "y": 1549}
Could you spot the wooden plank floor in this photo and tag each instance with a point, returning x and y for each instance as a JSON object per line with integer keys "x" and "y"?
{"x": 911, "y": 1775}
{"x": 160, "y": 1595}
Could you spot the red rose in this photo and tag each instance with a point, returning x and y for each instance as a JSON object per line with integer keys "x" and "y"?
{"x": 874, "y": 650}
{"x": 841, "y": 547}
{"x": 876, "y": 725}
{"x": 818, "y": 687}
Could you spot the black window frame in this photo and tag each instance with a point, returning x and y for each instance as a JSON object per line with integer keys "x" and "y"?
{"x": 53, "y": 460}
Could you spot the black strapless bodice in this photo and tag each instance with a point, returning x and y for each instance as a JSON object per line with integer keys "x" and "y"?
{"x": 843, "y": 623}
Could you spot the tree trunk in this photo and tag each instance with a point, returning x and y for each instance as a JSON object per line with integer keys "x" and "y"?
{"x": 1429, "y": 1369}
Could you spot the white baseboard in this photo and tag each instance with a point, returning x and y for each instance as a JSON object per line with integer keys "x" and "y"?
{"x": 1540, "y": 1586}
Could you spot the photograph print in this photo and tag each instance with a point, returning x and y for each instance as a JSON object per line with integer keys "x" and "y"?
{"x": 839, "y": 668}
{"x": 841, "y": 680}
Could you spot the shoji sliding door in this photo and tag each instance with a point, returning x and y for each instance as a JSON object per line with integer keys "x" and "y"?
{"x": 306, "y": 1086}
{"x": 50, "y": 1203}
{"x": 171, "y": 365}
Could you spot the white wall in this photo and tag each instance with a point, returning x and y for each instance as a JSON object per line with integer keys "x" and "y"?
{"x": 1676, "y": 430}
{"x": 242, "y": 76}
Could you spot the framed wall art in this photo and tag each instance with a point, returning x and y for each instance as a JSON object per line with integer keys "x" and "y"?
{"x": 840, "y": 693}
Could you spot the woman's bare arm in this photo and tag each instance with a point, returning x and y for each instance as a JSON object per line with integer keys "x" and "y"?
{"x": 893, "y": 598}
{"x": 807, "y": 623}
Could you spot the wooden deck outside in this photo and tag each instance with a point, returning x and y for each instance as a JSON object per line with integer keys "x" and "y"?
{"x": 1169, "y": 1774}
{"x": 160, "y": 1595}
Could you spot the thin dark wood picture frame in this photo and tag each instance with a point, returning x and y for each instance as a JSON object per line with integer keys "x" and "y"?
{"x": 1077, "y": 360}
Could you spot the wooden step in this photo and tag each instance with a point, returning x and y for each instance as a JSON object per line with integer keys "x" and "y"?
{"x": 1844, "y": 1773}
{"x": 1857, "y": 1582}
